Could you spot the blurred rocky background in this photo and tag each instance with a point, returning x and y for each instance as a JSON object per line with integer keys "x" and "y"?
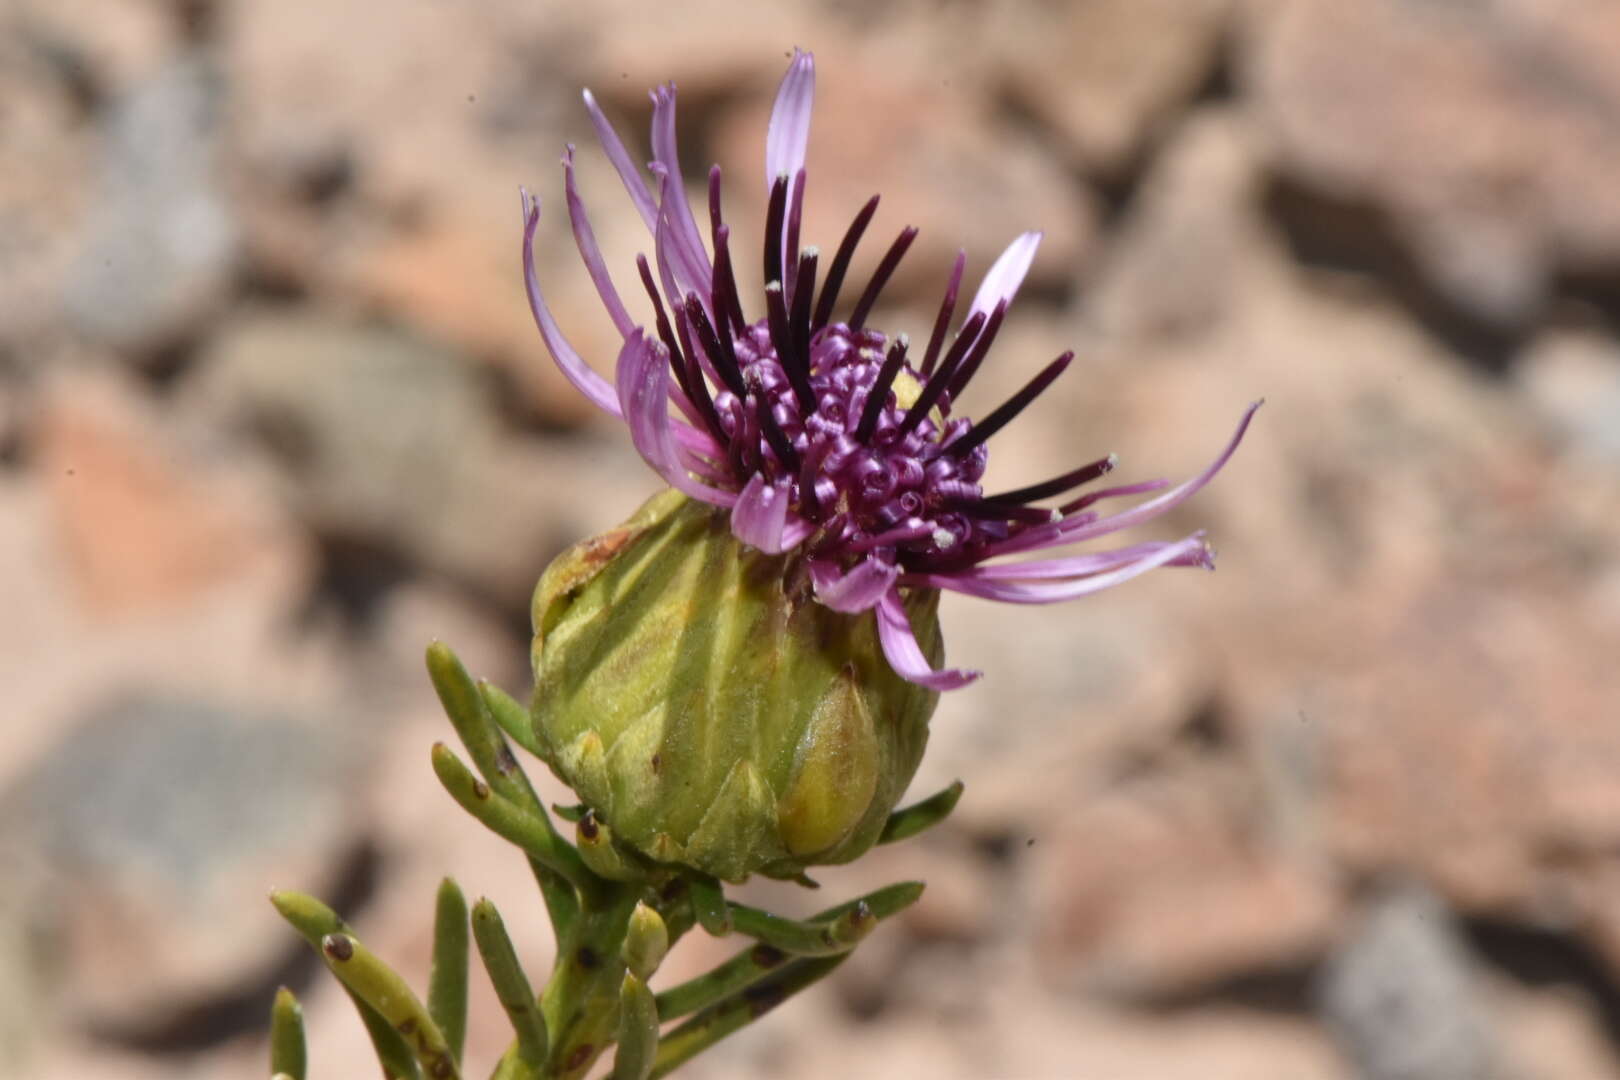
{"x": 273, "y": 416}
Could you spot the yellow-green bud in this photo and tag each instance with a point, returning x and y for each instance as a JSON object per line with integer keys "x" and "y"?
{"x": 646, "y": 940}
{"x": 695, "y": 695}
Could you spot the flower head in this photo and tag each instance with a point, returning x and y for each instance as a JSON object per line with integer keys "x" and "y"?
{"x": 822, "y": 436}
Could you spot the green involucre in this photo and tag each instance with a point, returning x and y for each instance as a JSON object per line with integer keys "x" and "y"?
{"x": 699, "y": 699}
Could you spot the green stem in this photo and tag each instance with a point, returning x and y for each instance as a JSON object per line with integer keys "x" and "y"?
{"x": 447, "y": 978}
{"x": 288, "y": 1053}
{"x": 581, "y": 1001}
{"x": 709, "y": 905}
{"x": 721, "y": 1019}
{"x": 753, "y": 964}
{"x": 885, "y": 902}
{"x": 837, "y": 935}
{"x": 512, "y": 822}
{"x": 512, "y": 986}
{"x": 381, "y": 987}
{"x": 744, "y": 969}
{"x": 472, "y": 709}
{"x": 512, "y": 717}
{"x": 314, "y": 920}
{"x": 638, "y": 1030}
{"x": 910, "y": 820}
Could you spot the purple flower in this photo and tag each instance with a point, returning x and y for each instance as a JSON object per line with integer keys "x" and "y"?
{"x": 821, "y": 435}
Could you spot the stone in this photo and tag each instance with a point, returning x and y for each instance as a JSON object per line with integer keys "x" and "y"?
{"x": 144, "y": 522}
{"x": 159, "y": 244}
{"x": 1401, "y": 994}
{"x": 156, "y": 825}
{"x": 1180, "y": 256}
{"x": 1481, "y": 130}
{"x": 111, "y": 46}
{"x": 47, "y": 159}
{"x": 391, "y": 444}
{"x": 455, "y": 279}
{"x": 1572, "y": 377}
{"x": 1107, "y": 75}
{"x": 1162, "y": 890}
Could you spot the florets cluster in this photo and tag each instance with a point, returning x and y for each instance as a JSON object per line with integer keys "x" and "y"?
{"x": 824, "y": 437}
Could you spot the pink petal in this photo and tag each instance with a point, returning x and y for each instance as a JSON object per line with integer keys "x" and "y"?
{"x": 867, "y": 582}
{"x": 643, "y": 377}
{"x": 1022, "y": 592}
{"x": 1170, "y": 499}
{"x": 585, "y": 240}
{"x": 905, "y": 655}
{"x": 613, "y": 146}
{"x": 676, "y": 269}
{"x": 1069, "y": 567}
{"x": 692, "y": 268}
{"x": 760, "y": 516}
{"x": 796, "y": 532}
{"x": 1006, "y": 274}
{"x": 597, "y": 389}
{"x": 1085, "y": 527}
{"x": 787, "y": 136}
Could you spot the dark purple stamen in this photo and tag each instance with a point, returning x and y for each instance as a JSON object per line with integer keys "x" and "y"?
{"x": 773, "y": 229}
{"x": 981, "y": 508}
{"x": 698, "y": 391}
{"x": 661, "y": 321}
{"x": 935, "y": 386}
{"x": 795, "y": 211}
{"x": 880, "y": 277}
{"x": 803, "y": 291}
{"x": 696, "y": 386}
{"x": 878, "y": 397}
{"x": 981, "y": 348}
{"x": 726, "y": 298}
{"x": 840, "y": 263}
{"x": 795, "y": 365}
{"x": 1011, "y": 407}
{"x": 1085, "y": 474}
{"x": 947, "y": 308}
{"x": 714, "y": 200}
{"x": 718, "y": 348}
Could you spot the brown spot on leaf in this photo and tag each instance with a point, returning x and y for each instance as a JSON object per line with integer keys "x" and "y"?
{"x": 599, "y": 549}
{"x": 762, "y": 999}
{"x": 766, "y": 956}
{"x": 578, "y": 1056}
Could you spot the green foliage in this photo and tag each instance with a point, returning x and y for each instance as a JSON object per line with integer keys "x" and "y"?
{"x": 447, "y": 982}
{"x": 288, "y": 1055}
{"x": 615, "y": 914}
